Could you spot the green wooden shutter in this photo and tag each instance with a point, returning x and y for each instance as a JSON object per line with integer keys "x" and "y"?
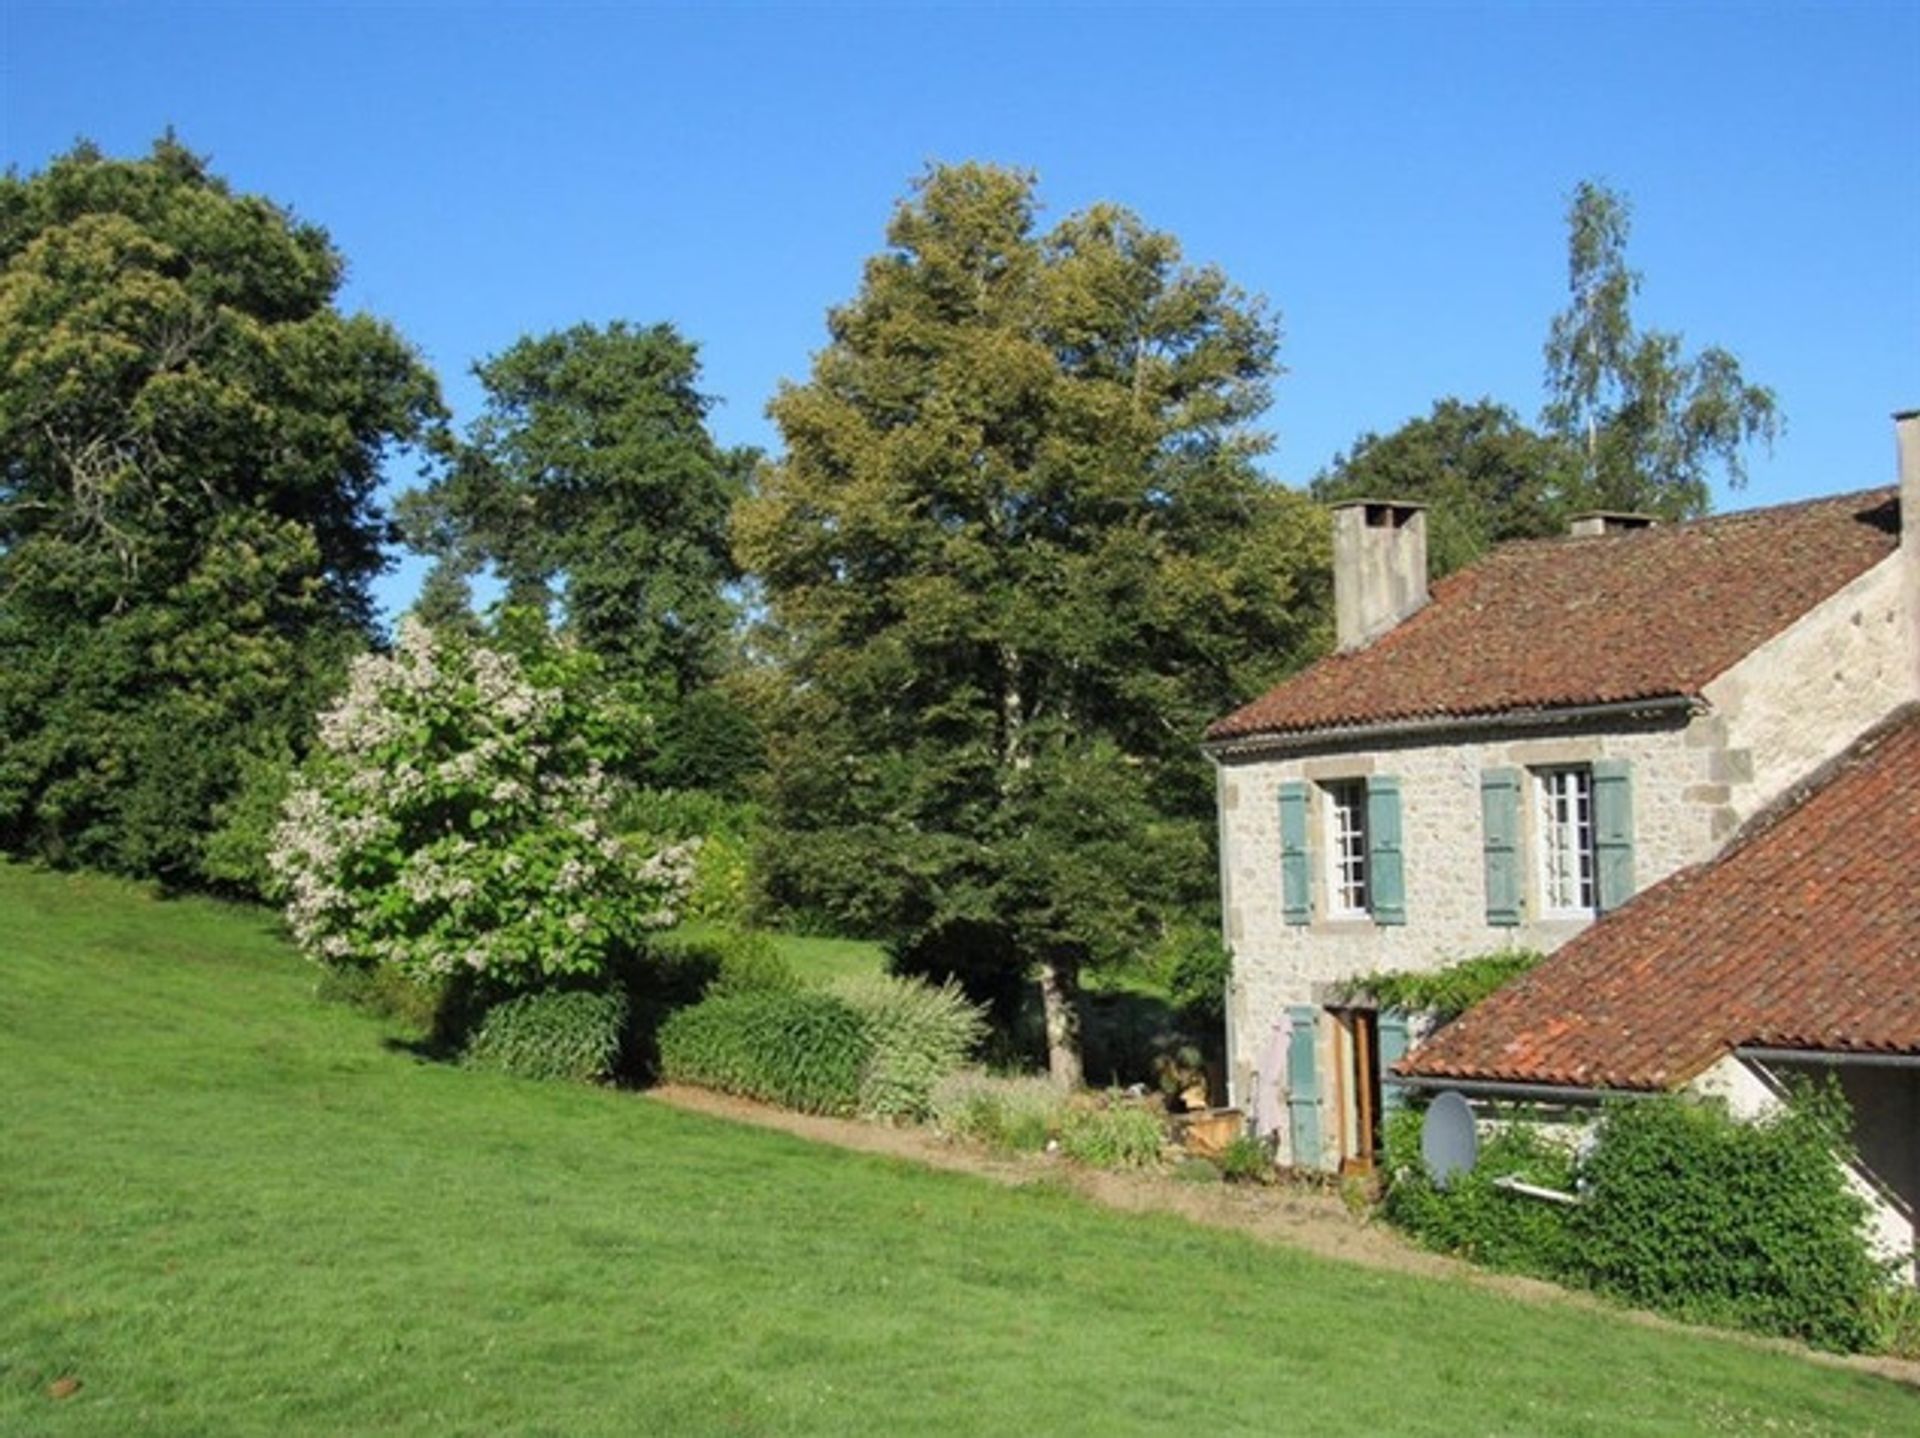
{"x": 1392, "y": 1029}
{"x": 1386, "y": 878}
{"x": 1500, "y": 840}
{"x": 1303, "y": 1085}
{"x": 1296, "y": 873}
{"x": 1613, "y": 832}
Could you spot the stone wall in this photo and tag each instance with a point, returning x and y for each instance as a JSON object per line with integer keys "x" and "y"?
{"x": 1697, "y": 775}
{"x": 1801, "y": 697}
{"x": 1277, "y": 964}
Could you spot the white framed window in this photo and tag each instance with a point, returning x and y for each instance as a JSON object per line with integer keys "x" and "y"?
{"x": 1347, "y": 889}
{"x": 1564, "y": 824}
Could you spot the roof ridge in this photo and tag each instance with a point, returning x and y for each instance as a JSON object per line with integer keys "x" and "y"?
{"x": 1664, "y": 528}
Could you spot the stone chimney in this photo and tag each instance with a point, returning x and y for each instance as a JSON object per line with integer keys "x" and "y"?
{"x": 1607, "y": 521}
{"x": 1379, "y": 567}
{"x": 1906, "y": 432}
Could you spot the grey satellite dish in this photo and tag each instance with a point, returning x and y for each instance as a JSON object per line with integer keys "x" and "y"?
{"x": 1449, "y": 1143}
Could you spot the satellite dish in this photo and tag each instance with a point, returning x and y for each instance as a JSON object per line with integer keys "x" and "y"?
{"x": 1449, "y": 1143}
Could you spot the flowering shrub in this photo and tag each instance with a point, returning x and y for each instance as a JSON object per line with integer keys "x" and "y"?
{"x": 452, "y": 820}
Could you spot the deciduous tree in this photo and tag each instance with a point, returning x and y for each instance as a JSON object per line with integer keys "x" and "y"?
{"x": 591, "y": 480}
{"x": 1649, "y": 422}
{"x": 1484, "y": 475}
{"x": 1018, "y": 554}
{"x": 191, "y": 436}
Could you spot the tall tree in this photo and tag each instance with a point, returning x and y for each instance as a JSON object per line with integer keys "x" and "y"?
{"x": 1650, "y": 423}
{"x": 1017, "y": 554}
{"x": 591, "y": 479}
{"x": 1484, "y": 476}
{"x": 191, "y": 436}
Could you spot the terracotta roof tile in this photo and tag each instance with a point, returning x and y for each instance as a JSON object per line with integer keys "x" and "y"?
{"x": 1804, "y": 933}
{"x": 1546, "y": 623}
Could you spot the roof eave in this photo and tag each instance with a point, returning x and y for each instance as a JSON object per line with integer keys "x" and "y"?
{"x": 1235, "y": 746}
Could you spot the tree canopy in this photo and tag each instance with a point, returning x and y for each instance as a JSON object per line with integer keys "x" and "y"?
{"x": 591, "y": 481}
{"x": 191, "y": 436}
{"x": 1484, "y": 475}
{"x": 1649, "y": 422}
{"x": 1016, "y": 555}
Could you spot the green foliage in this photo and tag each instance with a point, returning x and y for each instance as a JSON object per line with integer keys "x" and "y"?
{"x": 1473, "y": 1218}
{"x": 750, "y": 962}
{"x": 1893, "y": 1312}
{"x": 1484, "y": 476}
{"x": 1446, "y": 991}
{"x": 238, "y": 853}
{"x": 1018, "y": 555}
{"x": 193, "y": 437}
{"x": 574, "y": 1035}
{"x": 591, "y": 476}
{"x": 1118, "y": 1134}
{"x": 1193, "y": 967}
{"x": 919, "y": 1035}
{"x": 1019, "y": 1114}
{"x": 803, "y": 1049}
{"x": 1686, "y": 1209}
{"x": 1692, "y": 1211}
{"x": 453, "y": 819}
{"x": 1247, "y": 1159}
{"x": 721, "y": 888}
{"x": 1647, "y": 422}
{"x": 711, "y": 741}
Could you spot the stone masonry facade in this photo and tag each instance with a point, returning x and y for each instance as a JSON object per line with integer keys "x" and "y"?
{"x": 1699, "y": 770}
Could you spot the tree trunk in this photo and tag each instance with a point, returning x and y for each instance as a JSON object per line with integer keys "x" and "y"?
{"x": 1060, "y": 1001}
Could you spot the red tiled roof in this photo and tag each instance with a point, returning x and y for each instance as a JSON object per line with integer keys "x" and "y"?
{"x": 1804, "y": 934}
{"x": 1545, "y": 623}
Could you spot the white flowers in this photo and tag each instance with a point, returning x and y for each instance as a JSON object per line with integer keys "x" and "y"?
{"x": 453, "y": 819}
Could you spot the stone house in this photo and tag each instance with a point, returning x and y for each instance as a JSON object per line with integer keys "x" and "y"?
{"x": 1794, "y": 952}
{"x": 1500, "y": 762}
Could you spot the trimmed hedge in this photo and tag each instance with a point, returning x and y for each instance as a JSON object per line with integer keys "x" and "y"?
{"x": 804, "y": 1050}
{"x": 569, "y": 1034}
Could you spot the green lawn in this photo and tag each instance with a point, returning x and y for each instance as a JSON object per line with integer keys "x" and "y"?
{"x": 226, "y": 1209}
{"x": 814, "y": 958}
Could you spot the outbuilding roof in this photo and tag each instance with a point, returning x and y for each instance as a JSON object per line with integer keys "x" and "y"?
{"x": 1540, "y": 624}
{"x": 1803, "y": 934}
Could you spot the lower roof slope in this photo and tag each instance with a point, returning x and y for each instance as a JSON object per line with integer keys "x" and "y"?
{"x": 1607, "y": 619}
{"x": 1803, "y": 934}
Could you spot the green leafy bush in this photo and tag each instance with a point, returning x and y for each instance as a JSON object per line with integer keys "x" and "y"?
{"x": 721, "y": 889}
{"x": 919, "y": 1033}
{"x": 1473, "y": 1218}
{"x": 1020, "y": 1114}
{"x": 1117, "y": 1135}
{"x": 568, "y": 1034}
{"x": 1685, "y": 1209}
{"x": 1446, "y": 991}
{"x": 804, "y": 1050}
{"x": 1693, "y": 1211}
{"x": 453, "y": 819}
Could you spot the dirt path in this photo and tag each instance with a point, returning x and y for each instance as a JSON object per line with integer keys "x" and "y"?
{"x": 1304, "y": 1218}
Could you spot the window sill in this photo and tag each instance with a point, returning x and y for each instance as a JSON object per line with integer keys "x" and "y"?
{"x": 1344, "y": 924}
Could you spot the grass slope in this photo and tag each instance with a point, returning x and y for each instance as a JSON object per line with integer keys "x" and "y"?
{"x": 226, "y": 1209}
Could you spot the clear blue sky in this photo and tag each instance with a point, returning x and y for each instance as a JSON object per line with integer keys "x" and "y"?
{"x": 1392, "y": 178}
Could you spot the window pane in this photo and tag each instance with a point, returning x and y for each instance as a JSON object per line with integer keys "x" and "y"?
{"x": 1566, "y": 840}
{"x": 1347, "y": 851}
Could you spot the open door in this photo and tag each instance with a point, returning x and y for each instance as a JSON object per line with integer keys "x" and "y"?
{"x": 1356, "y": 1099}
